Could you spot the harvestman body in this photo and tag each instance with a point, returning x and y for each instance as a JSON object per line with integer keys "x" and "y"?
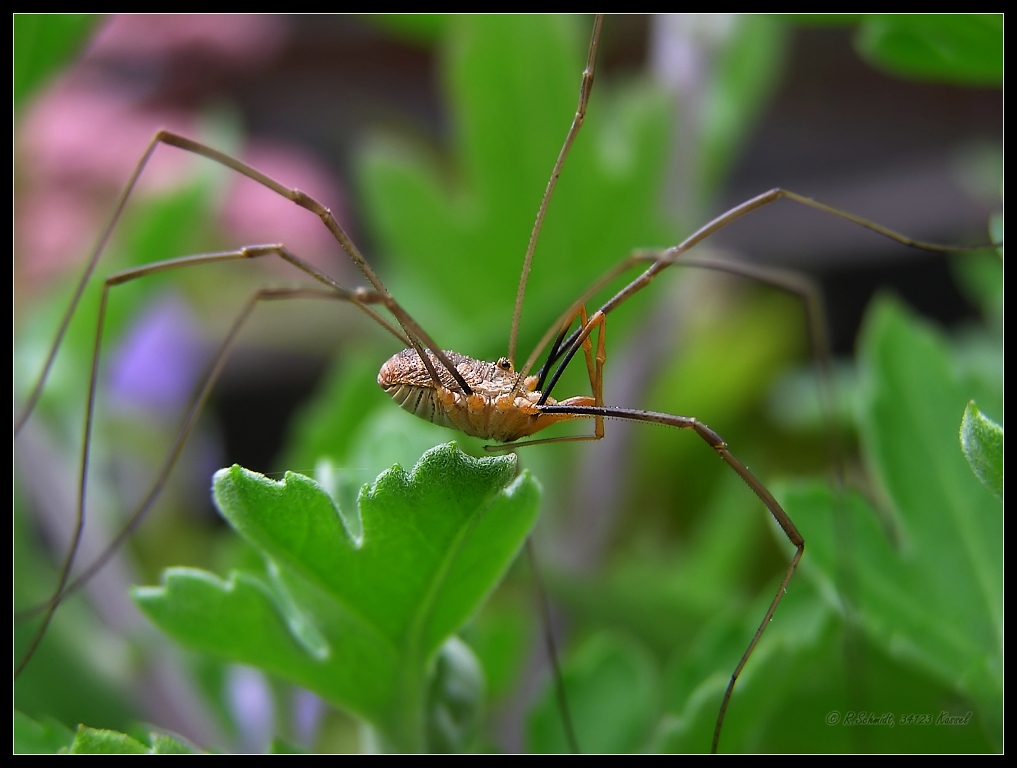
{"x": 490, "y": 400}
{"x": 504, "y": 406}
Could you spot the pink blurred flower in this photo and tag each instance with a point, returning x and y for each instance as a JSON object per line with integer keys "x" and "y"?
{"x": 92, "y": 136}
{"x": 78, "y": 145}
{"x": 254, "y": 214}
{"x": 242, "y": 39}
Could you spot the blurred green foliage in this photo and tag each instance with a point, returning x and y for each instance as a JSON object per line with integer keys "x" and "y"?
{"x": 43, "y": 45}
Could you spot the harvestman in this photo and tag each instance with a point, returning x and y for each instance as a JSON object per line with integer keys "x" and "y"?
{"x": 493, "y": 401}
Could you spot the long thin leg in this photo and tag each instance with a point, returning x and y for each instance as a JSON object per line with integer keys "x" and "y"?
{"x": 65, "y": 586}
{"x": 783, "y": 280}
{"x": 816, "y": 322}
{"x": 717, "y": 443}
{"x": 361, "y": 298}
{"x": 552, "y": 650}
{"x": 595, "y": 371}
{"x": 674, "y": 254}
{"x": 800, "y": 287}
{"x": 585, "y": 87}
{"x": 412, "y": 331}
{"x": 804, "y": 288}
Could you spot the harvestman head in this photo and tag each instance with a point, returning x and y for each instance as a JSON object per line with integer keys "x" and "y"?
{"x": 491, "y": 400}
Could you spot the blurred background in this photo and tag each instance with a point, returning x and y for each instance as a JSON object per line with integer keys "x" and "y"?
{"x": 431, "y": 139}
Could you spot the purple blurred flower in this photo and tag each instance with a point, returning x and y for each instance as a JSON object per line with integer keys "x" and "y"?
{"x": 250, "y": 701}
{"x": 157, "y": 364}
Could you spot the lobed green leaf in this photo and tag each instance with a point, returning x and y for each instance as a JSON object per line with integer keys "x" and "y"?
{"x": 982, "y": 442}
{"x": 357, "y": 619}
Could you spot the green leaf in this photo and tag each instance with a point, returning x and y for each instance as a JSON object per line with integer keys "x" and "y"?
{"x": 996, "y": 232}
{"x": 936, "y": 600}
{"x": 513, "y": 83}
{"x": 782, "y": 668}
{"x": 358, "y": 620}
{"x": 456, "y": 698}
{"x": 965, "y": 49}
{"x": 811, "y": 668}
{"x": 982, "y": 442}
{"x": 43, "y": 44}
{"x": 883, "y": 616}
{"x": 45, "y": 736}
{"x": 164, "y": 744}
{"x": 98, "y": 741}
{"x": 421, "y": 28}
{"x": 611, "y": 684}
{"x": 280, "y": 747}
{"x": 909, "y": 653}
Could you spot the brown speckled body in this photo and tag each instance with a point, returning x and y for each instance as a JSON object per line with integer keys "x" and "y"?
{"x": 492, "y": 412}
